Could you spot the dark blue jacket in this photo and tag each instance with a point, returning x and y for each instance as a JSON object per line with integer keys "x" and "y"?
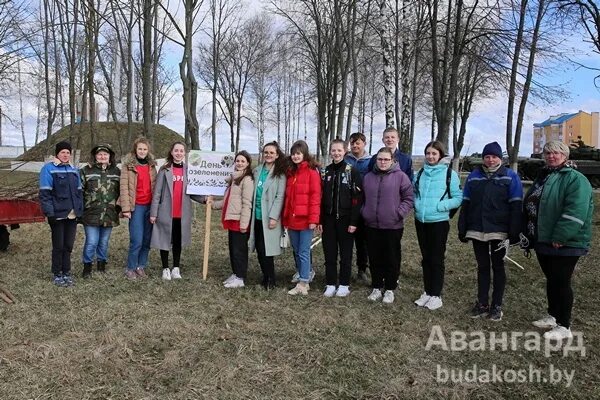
{"x": 403, "y": 160}
{"x": 492, "y": 204}
{"x": 60, "y": 190}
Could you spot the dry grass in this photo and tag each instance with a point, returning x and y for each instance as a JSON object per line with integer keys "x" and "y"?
{"x": 108, "y": 338}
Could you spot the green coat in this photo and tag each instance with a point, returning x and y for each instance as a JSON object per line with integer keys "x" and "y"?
{"x": 271, "y": 207}
{"x": 100, "y": 194}
{"x": 566, "y": 209}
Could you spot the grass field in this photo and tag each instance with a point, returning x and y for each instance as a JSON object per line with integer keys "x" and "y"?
{"x": 108, "y": 338}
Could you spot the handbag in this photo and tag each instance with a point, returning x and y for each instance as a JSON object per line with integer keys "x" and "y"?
{"x": 284, "y": 240}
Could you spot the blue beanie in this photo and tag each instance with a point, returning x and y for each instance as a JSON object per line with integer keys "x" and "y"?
{"x": 493, "y": 149}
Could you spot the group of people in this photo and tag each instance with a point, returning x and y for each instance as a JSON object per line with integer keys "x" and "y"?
{"x": 357, "y": 200}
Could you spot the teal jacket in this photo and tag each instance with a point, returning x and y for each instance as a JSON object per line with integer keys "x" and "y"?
{"x": 430, "y": 188}
{"x": 565, "y": 210}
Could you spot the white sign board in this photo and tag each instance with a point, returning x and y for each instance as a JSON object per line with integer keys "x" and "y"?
{"x": 207, "y": 171}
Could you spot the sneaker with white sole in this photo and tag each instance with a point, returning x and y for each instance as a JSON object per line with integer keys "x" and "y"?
{"x": 434, "y": 303}
{"x": 175, "y": 273}
{"x": 166, "y": 274}
{"x": 300, "y": 288}
{"x": 329, "y": 291}
{"x": 548, "y": 322}
{"x": 558, "y": 333}
{"x": 375, "y": 295}
{"x": 342, "y": 291}
{"x": 421, "y": 301}
{"x": 235, "y": 283}
{"x": 388, "y": 297}
{"x": 296, "y": 278}
{"x": 229, "y": 279}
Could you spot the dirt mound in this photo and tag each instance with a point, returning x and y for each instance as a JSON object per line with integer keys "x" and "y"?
{"x": 114, "y": 133}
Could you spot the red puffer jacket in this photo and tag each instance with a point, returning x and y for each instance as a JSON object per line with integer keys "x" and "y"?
{"x": 302, "y": 198}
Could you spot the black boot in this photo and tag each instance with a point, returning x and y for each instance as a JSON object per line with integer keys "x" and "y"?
{"x": 87, "y": 270}
{"x": 101, "y": 266}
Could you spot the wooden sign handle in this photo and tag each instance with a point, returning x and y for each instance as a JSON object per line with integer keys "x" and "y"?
{"x": 207, "y": 225}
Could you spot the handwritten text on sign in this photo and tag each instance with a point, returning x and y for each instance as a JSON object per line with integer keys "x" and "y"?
{"x": 207, "y": 171}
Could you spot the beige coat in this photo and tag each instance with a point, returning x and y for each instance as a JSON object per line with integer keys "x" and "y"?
{"x": 239, "y": 207}
{"x": 128, "y": 183}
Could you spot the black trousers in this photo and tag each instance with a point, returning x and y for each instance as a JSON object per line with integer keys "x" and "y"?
{"x": 238, "y": 252}
{"x": 63, "y": 238}
{"x": 360, "y": 242}
{"x": 558, "y": 271}
{"x": 385, "y": 255}
{"x": 267, "y": 263}
{"x": 175, "y": 245}
{"x": 336, "y": 239}
{"x": 487, "y": 257}
{"x": 432, "y": 239}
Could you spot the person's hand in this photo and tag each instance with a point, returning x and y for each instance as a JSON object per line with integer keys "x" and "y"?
{"x": 243, "y": 230}
{"x": 351, "y": 229}
{"x": 51, "y": 220}
{"x": 126, "y": 214}
{"x": 312, "y": 226}
{"x": 272, "y": 223}
{"x": 152, "y": 220}
{"x": 556, "y": 245}
{"x": 463, "y": 238}
{"x": 319, "y": 229}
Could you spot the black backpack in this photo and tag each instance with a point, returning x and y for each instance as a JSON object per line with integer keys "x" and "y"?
{"x": 453, "y": 211}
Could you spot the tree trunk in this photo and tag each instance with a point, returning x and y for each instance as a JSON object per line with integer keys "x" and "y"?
{"x": 388, "y": 82}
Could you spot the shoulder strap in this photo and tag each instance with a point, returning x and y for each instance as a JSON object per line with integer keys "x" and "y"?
{"x": 416, "y": 186}
{"x": 448, "y": 180}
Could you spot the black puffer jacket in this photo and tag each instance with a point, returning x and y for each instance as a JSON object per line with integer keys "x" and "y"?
{"x": 342, "y": 191}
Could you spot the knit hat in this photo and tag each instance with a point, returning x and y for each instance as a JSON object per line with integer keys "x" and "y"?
{"x": 492, "y": 149}
{"x": 60, "y": 146}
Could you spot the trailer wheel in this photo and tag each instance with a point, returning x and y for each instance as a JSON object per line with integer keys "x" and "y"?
{"x": 4, "y": 238}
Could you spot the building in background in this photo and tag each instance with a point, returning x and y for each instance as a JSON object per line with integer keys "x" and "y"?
{"x": 567, "y": 128}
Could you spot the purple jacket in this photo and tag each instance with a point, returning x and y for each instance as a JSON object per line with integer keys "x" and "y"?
{"x": 388, "y": 198}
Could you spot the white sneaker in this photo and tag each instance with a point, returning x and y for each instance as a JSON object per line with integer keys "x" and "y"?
{"x": 388, "y": 297}
{"x": 175, "y": 274}
{"x": 329, "y": 291}
{"x": 434, "y": 303}
{"x": 558, "y": 333}
{"x": 166, "y": 274}
{"x": 375, "y": 295}
{"x": 235, "y": 283}
{"x": 548, "y": 322}
{"x": 296, "y": 278}
{"x": 301, "y": 288}
{"x": 231, "y": 277}
{"x": 421, "y": 301}
{"x": 311, "y": 275}
{"x": 342, "y": 291}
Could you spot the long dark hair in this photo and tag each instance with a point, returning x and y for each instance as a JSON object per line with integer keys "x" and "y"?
{"x": 280, "y": 164}
{"x": 439, "y": 146}
{"x": 170, "y": 160}
{"x": 300, "y": 146}
{"x": 247, "y": 170}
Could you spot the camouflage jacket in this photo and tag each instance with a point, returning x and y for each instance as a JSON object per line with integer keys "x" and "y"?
{"x": 100, "y": 194}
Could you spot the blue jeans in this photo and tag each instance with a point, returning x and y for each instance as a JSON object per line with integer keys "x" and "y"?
{"x": 140, "y": 233}
{"x": 301, "y": 241}
{"x": 96, "y": 243}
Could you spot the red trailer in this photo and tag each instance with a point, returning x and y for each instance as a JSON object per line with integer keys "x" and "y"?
{"x": 15, "y": 211}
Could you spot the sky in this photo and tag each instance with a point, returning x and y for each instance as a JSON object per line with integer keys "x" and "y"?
{"x": 486, "y": 124}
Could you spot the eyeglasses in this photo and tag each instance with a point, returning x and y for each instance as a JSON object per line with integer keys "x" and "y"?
{"x": 384, "y": 159}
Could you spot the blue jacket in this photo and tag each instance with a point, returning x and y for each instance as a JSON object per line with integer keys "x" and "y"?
{"x": 403, "y": 160}
{"x": 492, "y": 204}
{"x": 361, "y": 164}
{"x": 430, "y": 189}
{"x": 60, "y": 190}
